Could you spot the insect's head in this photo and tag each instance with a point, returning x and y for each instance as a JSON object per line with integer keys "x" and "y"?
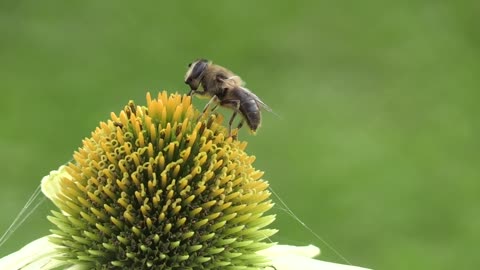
{"x": 195, "y": 73}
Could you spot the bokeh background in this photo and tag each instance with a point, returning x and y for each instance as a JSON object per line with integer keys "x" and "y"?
{"x": 376, "y": 146}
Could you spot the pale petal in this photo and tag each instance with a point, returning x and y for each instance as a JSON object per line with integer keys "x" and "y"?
{"x": 51, "y": 184}
{"x": 286, "y": 257}
{"x": 35, "y": 255}
{"x": 309, "y": 251}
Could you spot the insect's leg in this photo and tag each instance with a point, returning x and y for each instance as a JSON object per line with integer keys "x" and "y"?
{"x": 235, "y": 105}
{"x": 212, "y": 100}
{"x": 197, "y": 92}
{"x": 214, "y": 108}
{"x": 240, "y": 124}
{"x": 235, "y": 136}
{"x": 231, "y": 122}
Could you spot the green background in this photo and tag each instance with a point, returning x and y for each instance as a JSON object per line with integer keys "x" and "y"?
{"x": 376, "y": 146}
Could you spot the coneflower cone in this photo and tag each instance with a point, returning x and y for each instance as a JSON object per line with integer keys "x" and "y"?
{"x": 153, "y": 188}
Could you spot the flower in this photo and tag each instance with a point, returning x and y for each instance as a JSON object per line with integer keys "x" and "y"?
{"x": 155, "y": 188}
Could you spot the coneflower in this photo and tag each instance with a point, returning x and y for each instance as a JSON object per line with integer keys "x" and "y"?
{"x": 153, "y": 188}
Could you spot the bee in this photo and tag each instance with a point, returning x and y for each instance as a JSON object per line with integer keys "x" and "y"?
{"x": 226, "y": 89}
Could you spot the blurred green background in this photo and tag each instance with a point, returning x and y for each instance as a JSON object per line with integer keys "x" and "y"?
{"x": 376, "y": 148}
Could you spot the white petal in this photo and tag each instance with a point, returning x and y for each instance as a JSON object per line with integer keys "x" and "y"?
{"x": 35, "y": 255}
{"x": 309, "y": 251}
{"x": 286, "y": 257}
{"x": 51, "y": 184}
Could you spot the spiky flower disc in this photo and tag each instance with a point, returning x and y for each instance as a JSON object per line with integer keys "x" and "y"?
{"x": 154, "y": 188}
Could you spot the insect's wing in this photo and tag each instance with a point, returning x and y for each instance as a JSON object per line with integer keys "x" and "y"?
{"x": 262, "y": 104}
{"x": 259, "y": 101}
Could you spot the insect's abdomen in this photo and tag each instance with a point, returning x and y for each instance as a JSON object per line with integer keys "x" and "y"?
{"x": 251, "y": 113}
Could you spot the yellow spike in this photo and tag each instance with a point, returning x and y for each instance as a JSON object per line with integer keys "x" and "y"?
{"x": 111, "y": 156}
{"x": 88, "y": 218}
{"x": 214, "y": 193}
{"x": 208, "y": 204}
{"x": 103, "y": 229}
{"x": 110, "y": 210}
{"x": 84, "y": 202}
{"x": 124, "y": 118}
{"x": 182, "y": 183}
{"x": 164, "y": 116}
{"x": 189, "y": 199}
{"x": 163, "y": 97}
{"x": 195, "y": 212}
{"x": 153, "y": 132}
{"x": 149, "y": 223}
{"x": 149, "y": 168}
{"x": 144, "y": 210}
{"x": 186, "y": 101}
{"x": 206, "y": 147}
{"x": 202, "y": 160}
{"x": 196, "y": 171}
{"x": 153, "y": 108}
{"x": 117, "y": 222}
{"x": 171, "y": 150}
{"x": 138, "y": 196}
{"x": 105, "y": 127}
{"x": 94, "y": 198}
{"x": 167, "y": 228}
{"x": 170, "y": 193}
{"x": 135, "y": 179}
{"x": 128, "y": 148}
{"x": 114, "y": 117}
{"x": 232, "y": 196}
{"x": 199, "y": 190}
{"x": 197, "y": 225}
{"x": 170, "y": 104}
{"x": 152, "y": 184}
{"x": 108, "y": 192}
{"x": 98, "y": 213}
{"x": 148, "y": 120}
{"x": 177, "y": 114}
{"x": 179, "y": 136}
{"x": 217, "y": 164}
{"x": 213, "y": 216}
{"x": 176, "y": 170}
{"x": 185, "y": 124}
{"x": 141, "y": 139}
{"x": 176, "y": 209}
{"x": 256, "y": 175}
{"x": 181, "y": 222}
{"x": 193, "y": 136}
{"x": 185, "y": 153}
{"x": 207, "y": 176}
{"x": 121, "y": 166}
{"x": 149, "y": 99}
{"x": 80, "y": 187}
{"x": 108, "y": 173}
{"x": 123, "y": 202}
{"x": 168, "y": 132}
{"x": 135, "y": 159}
{"x": 136, "y": 126}
{"x": 164, "y": 180}
{"x": 129, "y": 217}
